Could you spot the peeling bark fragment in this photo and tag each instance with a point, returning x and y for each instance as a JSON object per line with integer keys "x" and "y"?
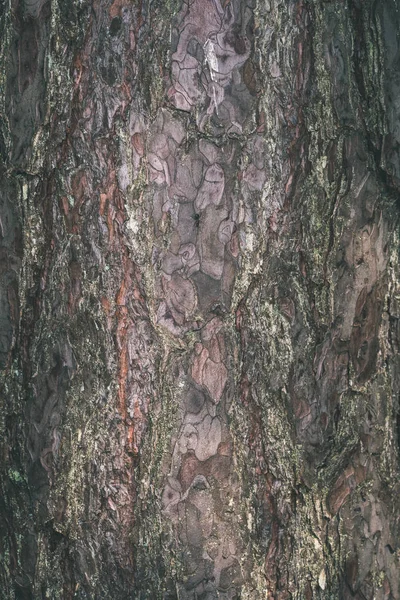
{"x": 181, "y": 298}
{"x": 212, "y": 188}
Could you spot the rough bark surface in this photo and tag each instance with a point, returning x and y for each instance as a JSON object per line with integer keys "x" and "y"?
{"x": 200, "y": 299}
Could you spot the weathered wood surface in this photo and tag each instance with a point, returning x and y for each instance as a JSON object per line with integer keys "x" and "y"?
{"x": 199, "y": 303}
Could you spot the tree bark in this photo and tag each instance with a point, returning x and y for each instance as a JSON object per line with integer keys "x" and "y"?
{"x": 199, "y": 303}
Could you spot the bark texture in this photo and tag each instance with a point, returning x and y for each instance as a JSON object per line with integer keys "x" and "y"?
{"x": 200, "y": 299}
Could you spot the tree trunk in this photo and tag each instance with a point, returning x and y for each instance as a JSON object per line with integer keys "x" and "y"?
{"x": 200, "y": 299}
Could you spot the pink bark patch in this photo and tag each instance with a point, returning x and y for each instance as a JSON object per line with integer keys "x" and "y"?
{"x": 214, "y": 378}
{"x": 198, "y": 365}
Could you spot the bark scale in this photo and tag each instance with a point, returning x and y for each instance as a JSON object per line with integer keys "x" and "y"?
{"x": 199, "y": 307}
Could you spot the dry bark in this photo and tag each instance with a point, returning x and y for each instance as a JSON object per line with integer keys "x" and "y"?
{"x": 199, "y": 303}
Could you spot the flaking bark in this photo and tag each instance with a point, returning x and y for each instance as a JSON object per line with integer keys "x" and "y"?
{"x": 199, "y": 303}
